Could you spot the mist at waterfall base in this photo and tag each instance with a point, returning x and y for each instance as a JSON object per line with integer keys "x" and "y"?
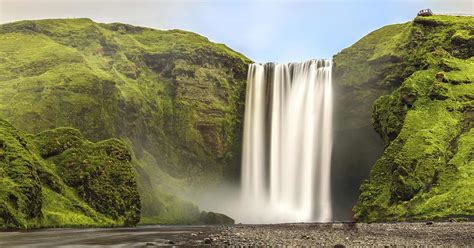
{"x": 297, "y": 166}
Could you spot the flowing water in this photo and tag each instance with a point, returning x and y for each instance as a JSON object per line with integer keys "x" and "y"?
{"x": 287, "y": 143}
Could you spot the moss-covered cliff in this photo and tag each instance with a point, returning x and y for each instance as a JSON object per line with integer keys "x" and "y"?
{"x": 58, "y": 178}
{"x": 426, "y": 119}
{"x": 175, "y": 97}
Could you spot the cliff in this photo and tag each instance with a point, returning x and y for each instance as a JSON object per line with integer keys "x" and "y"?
{"x": 173, "y": 96}
{"x": 421, "y": 75}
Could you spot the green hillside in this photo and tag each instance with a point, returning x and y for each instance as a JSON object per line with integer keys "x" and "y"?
{"x": 422, "y": 73}
{"x": 58, "y": 178}
{"x": 173, "y": 96}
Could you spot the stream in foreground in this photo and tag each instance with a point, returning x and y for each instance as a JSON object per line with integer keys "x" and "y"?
{"x": 334, "y": 234}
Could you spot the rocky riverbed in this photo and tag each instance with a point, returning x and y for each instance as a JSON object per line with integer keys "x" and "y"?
{"x": 350, "y": 234}
{"x": 331, "y": 235}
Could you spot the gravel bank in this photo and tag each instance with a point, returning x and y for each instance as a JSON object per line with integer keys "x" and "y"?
{"x": 339, "y": 234}
{"x": 328, "y": 235}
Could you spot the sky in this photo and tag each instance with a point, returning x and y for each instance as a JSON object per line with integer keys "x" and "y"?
{"x": 263, "y": 30}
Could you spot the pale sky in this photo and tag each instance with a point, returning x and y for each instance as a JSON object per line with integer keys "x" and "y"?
{"x": 265, "y": 30}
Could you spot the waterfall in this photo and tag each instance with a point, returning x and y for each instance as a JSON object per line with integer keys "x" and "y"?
{"x": 287, "y": 143}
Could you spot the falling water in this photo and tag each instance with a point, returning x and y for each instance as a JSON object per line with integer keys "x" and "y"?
{"x": 287, "y": 143}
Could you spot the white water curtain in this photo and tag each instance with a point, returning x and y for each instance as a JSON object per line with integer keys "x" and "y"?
{"x": 286, "y": 161}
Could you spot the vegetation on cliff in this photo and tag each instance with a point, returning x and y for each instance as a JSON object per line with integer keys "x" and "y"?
{"x": 173, "y": 96}
{"x": 427, "y": 168}
{"x": 58, "y": 178}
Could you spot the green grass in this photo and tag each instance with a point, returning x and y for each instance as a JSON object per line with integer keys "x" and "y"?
{"x": 70, "y": 211}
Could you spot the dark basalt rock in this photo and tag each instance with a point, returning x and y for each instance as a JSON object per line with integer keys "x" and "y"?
{"x": 211, "y": 218}
{"x": 408, "y": 95}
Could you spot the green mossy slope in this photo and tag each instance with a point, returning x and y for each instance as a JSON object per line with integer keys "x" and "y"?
{"x": 175, "y": 97}
{"x": 371, "y": 67}
{"x": 427, "y": 168}
{"x": 58, "y": 178}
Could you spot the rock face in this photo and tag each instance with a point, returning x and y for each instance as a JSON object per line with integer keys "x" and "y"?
{"x": 370, "y": 68}
{"x": 424, "y": 71}
{"x": 58, "y": 178}
{"x": 173, "y": 96}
